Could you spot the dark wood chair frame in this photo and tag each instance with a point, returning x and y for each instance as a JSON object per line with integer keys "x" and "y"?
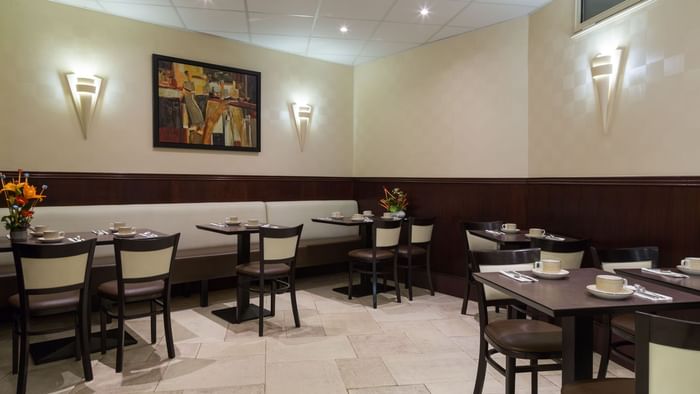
{"x": 268, "y": 232}
{"x": 506, "y": 257}
{"x": 353, "y": 263}
{"x": 619, "y": 255}
{"x": 21, "y": 329}
{"x": 162, "y": 301}
{"x": 410, "y": 265}
{"x": 466, "y": 226}
{"x": 664, "y": 331}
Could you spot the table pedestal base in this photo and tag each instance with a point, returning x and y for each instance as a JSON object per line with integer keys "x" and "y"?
{"x": 64, "y": 348}
{"x": 364, "y": 288}
{"x": 251, "y": 313}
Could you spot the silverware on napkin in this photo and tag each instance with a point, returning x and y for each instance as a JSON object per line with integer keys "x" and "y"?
{"x": 641, "y": 291}
{"x": 669, "y": 273}
{"x": 494, "y": 232}
{"x": 554, "y": 237}
{"x": 518, "y": 276}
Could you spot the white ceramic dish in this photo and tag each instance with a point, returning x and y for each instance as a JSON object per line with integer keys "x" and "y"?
{"x": 233, "y": 223}
{"x": 550, "y": 275}
{"x": 337, "y": 217}
{"x": 688, "y": 270}
{"x": 509, "y": 231}
{"x": 36, "y": 233}
{"x": 125, "y": 235}
{"x": 51, "y": 240}
{"x": 534, "y": 236}
{"x": 357, "y": 219}
{"x": 608, "y": 295}
{"x": 251, "y": 225}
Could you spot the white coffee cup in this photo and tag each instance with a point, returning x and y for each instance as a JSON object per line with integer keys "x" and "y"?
{"x": 387, "y": 215}
{"x": 691, "y": 262}
{"x": 357, "y": 216}
{"x": 336, "y": 214}
{"x": 39, "y": 228}
{"x": 53, "y": 234}
{"x": 610, "y": 283}
{"x": 125, "y": 230}
{"x": 232, "y": 219}
{"x": 367, "y": 212}
{"x": 548, "y": 265}
{"x": 536, "y": 232}
{"x": 253, "y": 222}
{"x": 116, "y": 225}
{"x": 509, "y": 226}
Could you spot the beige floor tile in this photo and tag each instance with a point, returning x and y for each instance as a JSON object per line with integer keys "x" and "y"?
{"x": 424, "y": 335}
{"x": 311, "y": 348}
{"x": 491, "y": 386}
{"x": 310, "y": 321}
{"x": 216, "y": 351}
{"x": 338, "y": 306}
{"x": 365, "y": 372}
{"x": 59, "y": 377}
{"x": 135, "y": 377}
{"x": 404, "y": 312}
{"x": 382, "y": 344}
{"x": 412, "y": 389}
{"x": 353, "y": 323}
{"x": 428, "y": 368}
{"x": 200, "y": 373}
{"x": 253, "y": 389}
{"x": 304, "y": 377}
{"x": 455, "y": 327}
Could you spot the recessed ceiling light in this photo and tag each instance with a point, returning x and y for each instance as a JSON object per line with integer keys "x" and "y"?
{"x": 344, "y": 29}
{"x": 424, "y": 11}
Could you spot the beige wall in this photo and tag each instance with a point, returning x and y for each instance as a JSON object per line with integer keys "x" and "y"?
{"x": 655, "y": 128}
{"x": 454, "y": 108}
{"x": 39, "y": 40}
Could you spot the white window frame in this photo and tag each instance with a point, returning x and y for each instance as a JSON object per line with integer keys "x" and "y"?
{"x": 581, "y": 26}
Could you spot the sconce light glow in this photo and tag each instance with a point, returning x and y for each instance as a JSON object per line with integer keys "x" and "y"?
{"x": 302, "y": 121}
{"x": 344, "y": 29}
{"x": 85, "y": 90}
{"x": 605, "y": 70}
{"x": 424, "y": 11}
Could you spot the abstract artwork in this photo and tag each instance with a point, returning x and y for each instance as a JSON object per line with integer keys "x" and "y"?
{"x": 205, "y": 106}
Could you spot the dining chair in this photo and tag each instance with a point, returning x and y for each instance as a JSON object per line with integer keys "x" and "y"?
{"x": 278, "y": 258}
{"x": 569, "y": 253}
{"x": 420, "y": 233}
{"x": 385, "y": 242}
{"x": 144, "y": 269}
{"x": 476, "y": 244}
{"x": 523, "y": 338}
{"x": 51, "y": 280}
{"x": 622, "y": 326}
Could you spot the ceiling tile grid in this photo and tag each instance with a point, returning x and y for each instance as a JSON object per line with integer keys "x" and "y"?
{"x": 340, "y": 31}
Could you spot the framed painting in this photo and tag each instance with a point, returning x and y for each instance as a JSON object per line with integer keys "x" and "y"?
{"x": 204, "y": 106}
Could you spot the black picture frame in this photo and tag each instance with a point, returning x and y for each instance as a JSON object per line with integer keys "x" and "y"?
{"x": 194, "y": 114}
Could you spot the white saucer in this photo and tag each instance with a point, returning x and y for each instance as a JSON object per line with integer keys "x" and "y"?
{"x": 534, "y": 236}
{"x": 51, "y": 240}
{"x": 688, "y": 270}
{"x": 251, "y": 225}
{"x": 513, "y": 231}
{"x": 232, "y": 223}
{"x": 337, "y": 217}
{"x": 550, "y": 275}
{"x": 125, "y": 235}
{"x": 36, "y": 233}
{"x": 608, "y": 295}
{"x": 357, "y": 219}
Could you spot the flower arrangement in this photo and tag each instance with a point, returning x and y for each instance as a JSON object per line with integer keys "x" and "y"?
{"x": 21, "y": 198}
{"x": 395, "y": 200}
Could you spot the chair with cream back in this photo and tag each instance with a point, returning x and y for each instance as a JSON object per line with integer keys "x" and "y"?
{"x": 385, "y": 242}
{"x": 278, "y": 258}
{"x": 420, "y": 234}
{"x": 475, "y": 243}
{"x": 622, "y": 326}
{"x": 51, "y": 280}
{"x": 144, "y": 268}
{"x": 570, "y": 253}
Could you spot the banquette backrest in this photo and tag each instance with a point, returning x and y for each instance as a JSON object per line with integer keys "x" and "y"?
{"x": 294, "y": 213}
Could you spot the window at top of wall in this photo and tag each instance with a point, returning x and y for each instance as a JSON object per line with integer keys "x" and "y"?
{"x": 590, "y": 12}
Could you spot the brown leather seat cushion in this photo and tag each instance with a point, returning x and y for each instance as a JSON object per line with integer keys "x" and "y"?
{"x": 366, "y": 254}
{"x": 415, "y": 250}
{"x": 624, "y": 322}
{"x": 525, "y": 336}
{"x": 253, "y": 269}
{"x": 138, "y": 290}
{"x": 605, "y": 386}
{"x": 46, "y": 303}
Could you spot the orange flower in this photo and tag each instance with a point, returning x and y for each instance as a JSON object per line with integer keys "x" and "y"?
{"x": 10, "y": 187}
{"x": 30, "y": 193}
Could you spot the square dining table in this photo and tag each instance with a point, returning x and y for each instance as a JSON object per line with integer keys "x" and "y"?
{"x": 569, "y": 300}
{"x": 690, "y": 284}
{"x": 519, "y": 240}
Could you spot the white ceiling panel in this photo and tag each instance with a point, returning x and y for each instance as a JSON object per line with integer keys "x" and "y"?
{"x": 289, "y": 7}
{"x": 449, "y": 31}
{"x": 281, "y": 43}
{"x": 440, "y": 11}
{"x": 329, "y": 46}
{"x": 280, "y": 24}
{"x": 383, "y": 48}
{"x": 245, "y": 37}
{"x": 357, "y": 29}
{"x": 483, "y": 14}
{"x": 231, "y": 5}
{"x": 89, "y": 4}
{"x": 356, "y": 9}
{"x": 404, "y": 32}
{"x": 146, "y": 13}
{"x": 342, "y": 59}
{"x": 529, "y": 3}
{"x": 216, "y": 20}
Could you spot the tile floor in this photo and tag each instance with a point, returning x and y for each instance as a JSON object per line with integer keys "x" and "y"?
{"x": 423, "y": 346}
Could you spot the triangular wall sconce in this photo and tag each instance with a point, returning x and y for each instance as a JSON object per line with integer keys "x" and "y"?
{"x": 606, "y": 72}
{"x": 85, "y": 91}
{"x": 302, "y": 121}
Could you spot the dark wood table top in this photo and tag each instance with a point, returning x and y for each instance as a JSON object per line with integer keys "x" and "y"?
{"x": 690, "y": 284}
{"x": 234, "y": 229}
{"x": 108, "y": 239}
{"x": 518, "y": 237}
{"x": 569, "y": 297}
{"x": 346, "y": 221}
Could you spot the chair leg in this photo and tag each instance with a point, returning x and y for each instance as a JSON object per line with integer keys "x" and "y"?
{"x": 261, "y": 307}
{"x": 374, "y": 285}
{"x": 153, "y": 321}
{"x": 85, "y": 341}
{"x": 76, "y": 343}
{"x": 15, "y": 345}
{"x": 605, "y": 355}
{"x": 397, "y": 285}
{"x": 167, "y": 323}
{"x": 273, "y": 291}
{"x": 429, "y": 273}
{"x": 465, "y": 300}
{"x": 409, "y": 278}
{"x": 481, "y": 369}
{"x": 533, "y": 376}
{"x": 120, "y": 338}
{"x": 350, "y": 280}
{"x": 103, "y": 330}
{"x": 510, "y": 375}
{"x": 293, "y": 296}
{"x": 23, "y": 358}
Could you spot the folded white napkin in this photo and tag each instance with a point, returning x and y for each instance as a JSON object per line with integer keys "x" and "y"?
{"x": 494, "y": 232}
{"x": 554, "y": 237}
{"x": 664, "y": 273}
{"x": 518, "y": 277}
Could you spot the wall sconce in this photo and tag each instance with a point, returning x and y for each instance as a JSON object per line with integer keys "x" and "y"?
{"x": 605, "y": 70}
{"x": 85, "y": 90}
{"x": 302, "y": 121}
